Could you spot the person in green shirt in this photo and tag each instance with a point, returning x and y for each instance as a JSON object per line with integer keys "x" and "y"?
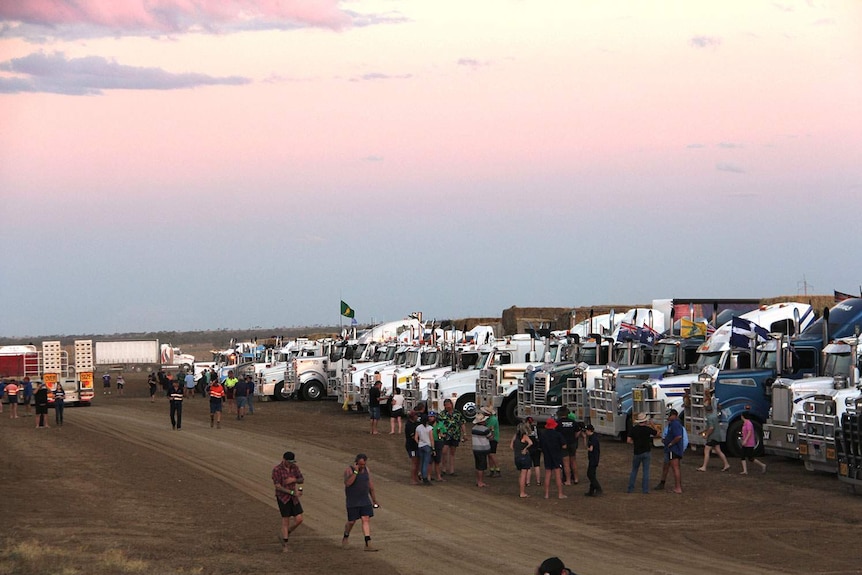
{"x": 494, "y": 425}
{"x": 438, "y": 430}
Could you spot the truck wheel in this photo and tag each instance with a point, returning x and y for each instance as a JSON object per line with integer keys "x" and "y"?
{"x": 313, "y": 391}
{"x": 280, "y": 394}
{"x": 510, "y": 411}
{"x": 734, "y": 438}
{"x": 466, "y": 406}
{"x": 187, "y": 368}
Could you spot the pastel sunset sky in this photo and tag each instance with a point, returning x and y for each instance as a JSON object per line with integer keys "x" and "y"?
{"x": 203, "y": 164}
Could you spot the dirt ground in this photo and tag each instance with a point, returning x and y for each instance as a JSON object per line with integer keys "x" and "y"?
{"x": 115, "y": 490}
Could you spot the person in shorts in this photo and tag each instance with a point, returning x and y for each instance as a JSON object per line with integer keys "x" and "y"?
{"x": 520, "y": 446}
{"x": 374, "y": 404}
{"x": 360, "y": 498}
{"x": 240, "y": 391}
{"x": 571, "y": 430}
{"x": 287, "y": 479}
{"x": 494, "y": 425}
{"x": 217, "y": 394}
{"x": 397, "y": 410}
{"x": 481, "y": 435}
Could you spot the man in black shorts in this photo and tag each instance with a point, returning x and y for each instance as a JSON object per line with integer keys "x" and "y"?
{"x": 288, "y": 479}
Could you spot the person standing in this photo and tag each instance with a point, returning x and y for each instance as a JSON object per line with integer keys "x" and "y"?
{"x": 250, "y": 397}
{"x": 41, "y": 398}
{"x": 374, "y": 404}
{"x": 455, "y": 431}
{"x": 59, "y": 403}
{"x": 481, "y": 435}
{"x": 240, "y": 391}
{"x": 535, "y": 452}
{"x": 593, "y": 455}
{"x": 494, "y": 425}
{"x": 396, "y": 411}
{"x": 520, "y": 446}
{"x": 425, "y": 442}
{"x": 360, "y": 498}
{"x": 189, "y": 380}
{"x": 570, "y": 429}
{"x": 229, "y": 385}
{"x": 12, "y": 397}
{"x": 121, "y": 384}
{"x": 288, "y": 479}
{"x": 749, "y": 441}
{"x": 27, "y": 387}
{"x": 641, "y": 436}
{"x": 553, "y": 448}
{"x": 673, "y": 451}
{"x": 437, "y": 452}
{"x": 216, "y": 400}
{"x": 176, "y": 401}
{"x": 106, "y": 384}
{"x": 712, "y": 433}
{"x": 412, "y": 446}
{"x": 152, "y": 383}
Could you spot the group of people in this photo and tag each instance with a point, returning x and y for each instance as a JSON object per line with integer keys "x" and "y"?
{"x": 14, "y": 392}
{"x": 106, "y": 384}
{"x": 238, "y": 393}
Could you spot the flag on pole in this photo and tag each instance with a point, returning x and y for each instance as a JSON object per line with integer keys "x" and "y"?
{"x": 648, "y": 335}
{"x": 346, "y": 310}
{"x": 690, "y": 328}
{"x": 743, "y": 331}
{"x": 841, "y": 296}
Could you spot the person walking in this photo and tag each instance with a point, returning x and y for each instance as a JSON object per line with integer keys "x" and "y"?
{"x": 12, "y": 397}
{"x": 481, "y": 435}
{"x": 240, "y": 391}
{"x": 749, "y": 441}
{"x": 59, "y": 403}
{"x": 250, "y": 397}
{"x": 712, "y": 433}
{"x": 152, "y": 382}
{"x": 41, "y": 399}
{"x": 229, "y": 385}
{"x": 361, "y": 499}
{"x": 121, "y": 384}
{"x": 425, "y": 443}
{"x": 106, "y": 384}
{"x": 455, "y": 432}
{"x": 176, "y": 405}
{"x": 396, "y": 411}
{"x": 593, "y": 455}
{"x": 520, "y": 446}
{"x": 553, "y": 448}
{"x": 288, "y": 480}
{"x": 641, "y": 436}
{"x": 217, "y": 394}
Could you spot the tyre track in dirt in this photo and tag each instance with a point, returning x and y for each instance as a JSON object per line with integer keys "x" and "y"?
{"x": 456, "y": 521}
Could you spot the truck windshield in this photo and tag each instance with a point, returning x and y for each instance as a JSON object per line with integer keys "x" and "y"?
{"x": 665, "y": 354}
{"x": 429, "y": 358}
{"x": 837, "y": 364}
{"x": 401, "y": 358}
{"x": 711, "y": 358}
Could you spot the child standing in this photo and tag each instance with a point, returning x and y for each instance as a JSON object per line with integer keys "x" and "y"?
{"x": 593, "y": 453}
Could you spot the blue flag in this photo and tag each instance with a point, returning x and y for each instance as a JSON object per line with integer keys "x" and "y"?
{"x": 649, "y": 336}
{"x": 742, "y": 331}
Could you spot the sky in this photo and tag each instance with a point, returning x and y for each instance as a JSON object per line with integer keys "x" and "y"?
{"x": 230, "y": 164}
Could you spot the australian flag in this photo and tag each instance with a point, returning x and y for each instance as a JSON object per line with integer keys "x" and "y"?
{"x": 743, "y": 331}
{"x": 627, "y": 332}
{"x": 649, "y": 336}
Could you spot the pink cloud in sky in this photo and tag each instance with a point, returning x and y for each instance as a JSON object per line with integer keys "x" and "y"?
{"x": 173, "y": 15}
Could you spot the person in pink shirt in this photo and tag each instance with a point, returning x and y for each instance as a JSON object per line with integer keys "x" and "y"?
{"x": 749, "y": 440}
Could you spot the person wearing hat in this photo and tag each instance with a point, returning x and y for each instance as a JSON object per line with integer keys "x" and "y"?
{"x": 288, "y": 479}
{"x": 481, "y": 435}
{"x": 553, "y": 447}
{"x": 641, "y": 436}
{"x": 593, "y": 454}
{"x": 553, "y": 566}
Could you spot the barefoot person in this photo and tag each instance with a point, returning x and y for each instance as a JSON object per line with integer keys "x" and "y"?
{"x": 520, "y": 446}
{"x": 361, "y": 499}
{"x": 288, "y": 479}
{"x": 553, "y": 448}
{"x": 674, "y": 448}
{"x": 712, "y": 433}
{"x": 749, "y": 441}
{"x": 455, "y": 431}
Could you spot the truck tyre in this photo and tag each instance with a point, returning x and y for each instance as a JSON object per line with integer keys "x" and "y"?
{"x": 734, "y": 438}
{"x": 466, "y": 406}
{"x": 187, "y": 368}
{"x": 510, "y": 410}
{"x": 313, "y": 391}
{"x": 280, "y": 393}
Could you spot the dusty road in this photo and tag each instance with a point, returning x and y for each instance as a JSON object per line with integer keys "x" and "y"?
{"x": 117, "y": 491}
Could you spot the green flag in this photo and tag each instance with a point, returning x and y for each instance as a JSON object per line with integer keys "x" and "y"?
{"x": 346, "y": 310}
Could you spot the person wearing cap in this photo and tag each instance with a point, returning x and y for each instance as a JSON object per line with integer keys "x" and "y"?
{"x": 481, "y": 435}
{"x": 361, "y": 499}
{"x": 553, "y": 447}
{"x": 641, "y": 436}
{"x": 553, "y": 566}
{"x": 287, "y": 479}
{"x": 673, "y": 451}
{"x": 593, "y": 455}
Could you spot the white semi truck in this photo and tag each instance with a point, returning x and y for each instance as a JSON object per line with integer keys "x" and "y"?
{"x": 51, "y": 365}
